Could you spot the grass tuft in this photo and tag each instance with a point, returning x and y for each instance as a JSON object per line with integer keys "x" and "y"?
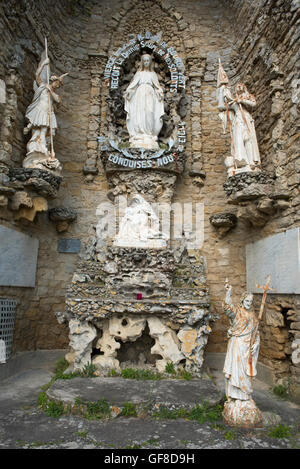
{"x": 280, "y": 431}
{"x": 280, "y": 391}
{"x": 129, "y": 410}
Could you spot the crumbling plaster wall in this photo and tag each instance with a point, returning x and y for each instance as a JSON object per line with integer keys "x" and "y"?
{"x": 257, "y": 44}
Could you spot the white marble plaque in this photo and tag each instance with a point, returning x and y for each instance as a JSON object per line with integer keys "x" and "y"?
{"x": 279, "y": 256}
{"x": 18, "y": 258}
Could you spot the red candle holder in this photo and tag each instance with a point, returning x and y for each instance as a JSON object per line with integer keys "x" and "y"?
{"x": 139, "y": 296}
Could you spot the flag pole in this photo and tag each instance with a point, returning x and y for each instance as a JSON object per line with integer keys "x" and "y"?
{"x": 49, "y": 102}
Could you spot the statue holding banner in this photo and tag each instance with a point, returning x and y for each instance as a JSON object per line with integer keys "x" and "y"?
{"x": 41, "y": 118}
{"x": 144, "y": 105}
{"x": 236, "y": 112}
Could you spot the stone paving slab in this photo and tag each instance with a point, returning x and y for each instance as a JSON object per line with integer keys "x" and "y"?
{"x": 117, "y": 391}
{"x": 23, "y": 425}
{"x": 33, "y": 429}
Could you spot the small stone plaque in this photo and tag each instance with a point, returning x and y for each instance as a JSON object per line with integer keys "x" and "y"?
{"x": 18, "y": 258}
{"x": 279, "y": 256}
{"x": 69, "y": 245}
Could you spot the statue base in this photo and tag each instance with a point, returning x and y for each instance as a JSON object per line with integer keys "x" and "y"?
{"x": 257, "y": 196}
{"x": 148, "y": 142}
{"x": 233, "y": 168}
{"x": 150, "y": 243}
{"x": 39, "y": 160}
{"x": 243, "y": 414}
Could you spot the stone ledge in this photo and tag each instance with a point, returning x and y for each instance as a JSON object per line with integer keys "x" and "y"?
{"x": 117, "y": 391}
{"x": 62, "y": 217}
{"x": 25, "y": 191}
{"x": 257, "y": 197}
{"x": 223, "y": 222}
{"x": 93, "y": 309}
{"x": 25, "y": 174}
{"x": 242, "y": 181}
{"x": 39, "y": 359}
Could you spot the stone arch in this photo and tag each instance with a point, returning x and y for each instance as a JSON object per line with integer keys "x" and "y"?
{"x": 128, "y": 27}
{"x": 124, "y": 12}
{"x": 121, "y": 27}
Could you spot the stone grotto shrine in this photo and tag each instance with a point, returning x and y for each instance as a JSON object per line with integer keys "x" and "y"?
{"x": 149, "y": 150}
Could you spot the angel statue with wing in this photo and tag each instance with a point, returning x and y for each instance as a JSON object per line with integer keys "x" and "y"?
{"x": 41, "y": 118}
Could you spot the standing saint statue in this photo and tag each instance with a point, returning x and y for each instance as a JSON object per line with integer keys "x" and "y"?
{"x": 240, "y": 362}
{"x": 144, "y": 105}
{"x": 235, "y": 111}
{"x": 41, "y": 118}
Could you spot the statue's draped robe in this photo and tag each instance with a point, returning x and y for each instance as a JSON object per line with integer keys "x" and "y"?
{"x": 237, "y": 368}
{"x": 244, "y": 147}
{"x": 38, "y": 112}
{"x": 144, "y": 106}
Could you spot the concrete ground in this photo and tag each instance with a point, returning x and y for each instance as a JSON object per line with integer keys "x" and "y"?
{"x": 26, "y": 426}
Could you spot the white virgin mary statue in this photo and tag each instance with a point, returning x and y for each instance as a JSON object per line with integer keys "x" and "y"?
{"x": 144, "y": 106}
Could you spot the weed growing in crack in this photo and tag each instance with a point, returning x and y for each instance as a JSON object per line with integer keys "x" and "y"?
{"x": 129, "y": 410}
{"x": 200, "y": 413}
{"x": 280, "y": 431}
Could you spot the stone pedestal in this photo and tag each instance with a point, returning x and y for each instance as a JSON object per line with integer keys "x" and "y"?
{"x": 223, "y": 222}
{"x": 256, "y": 196}
{"x": 26, "y": 191}
{"x": 104, "y": 313}
{"x": 38, "y": 160}
{"x": 62, "y": 217}
{"x": 244, "y": 414}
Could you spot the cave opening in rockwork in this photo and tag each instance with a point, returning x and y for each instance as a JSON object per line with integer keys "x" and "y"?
{"x": 286, "y": 312}
{"x": 137, "y": 353}
{"x": 95, "y": 350}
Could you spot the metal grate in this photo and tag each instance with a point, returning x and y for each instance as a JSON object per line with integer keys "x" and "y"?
{"x": 7, "y": 322}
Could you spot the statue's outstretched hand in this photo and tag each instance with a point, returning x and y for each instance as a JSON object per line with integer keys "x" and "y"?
{"x": 227, "y": 285}
{"x": 228, "y": 289}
